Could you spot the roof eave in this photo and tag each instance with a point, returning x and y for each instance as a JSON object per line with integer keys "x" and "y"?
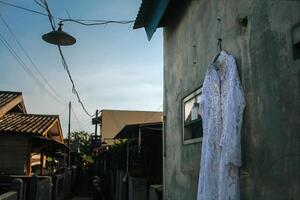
{"x": 150, "y": 15}
{"x": 127, "y": 128}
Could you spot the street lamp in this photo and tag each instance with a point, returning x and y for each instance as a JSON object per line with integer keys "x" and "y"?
{"x": 59, "y": 37}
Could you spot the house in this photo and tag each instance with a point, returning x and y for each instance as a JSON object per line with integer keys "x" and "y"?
{"x": 11, "y": 102}
{"x": 264, "y": 37}
{"x": 25, "y": 138}
{"x": 144, "y": 160}
{"x": 112, "y": 121}
{"x": 132, "y": 169}
{"x": 26, "y": 141}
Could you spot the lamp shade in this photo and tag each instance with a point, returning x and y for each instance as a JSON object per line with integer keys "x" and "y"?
{"x": 59, "y": 37}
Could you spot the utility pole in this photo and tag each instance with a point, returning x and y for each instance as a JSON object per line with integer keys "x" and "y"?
{"x": 69, "y": 135}
{"x": 96, "y": 124}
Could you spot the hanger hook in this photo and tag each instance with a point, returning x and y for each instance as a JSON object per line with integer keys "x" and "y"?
{"x": 219, "y": 39}
{"x": 220, "y": 44}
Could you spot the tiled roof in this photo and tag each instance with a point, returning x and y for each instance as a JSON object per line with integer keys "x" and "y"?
{"x": 26, "y": 123}
{"x": 6, "y": 96}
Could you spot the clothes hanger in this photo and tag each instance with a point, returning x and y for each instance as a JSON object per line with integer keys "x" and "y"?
{"x": 220, "y": 50}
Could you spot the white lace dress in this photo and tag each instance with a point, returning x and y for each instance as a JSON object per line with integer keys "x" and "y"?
{"x": 221, "y": 106}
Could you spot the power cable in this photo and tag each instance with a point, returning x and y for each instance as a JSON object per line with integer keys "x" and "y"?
{"x": 101, "y": 22}
{"x": 23, "y": 8}
{"x": 26, "y": 68}
{"x": 74, "y": 90}
{"x": 76, "y": 118}
{"x": 79, "y": 21}
{"x": 68, "y": 13}
{"x": 50, "y": 16}
{"x": 44, "y": 5}
{"x": 64, "y": 62}
{"x": 87, "y": 123}
{"x": 40, "y": 4}
{"x": 64, "y": 111}
{"x": 30, "y": 59}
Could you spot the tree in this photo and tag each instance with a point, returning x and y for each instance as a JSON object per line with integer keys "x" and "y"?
{"x": 83, "y": 140}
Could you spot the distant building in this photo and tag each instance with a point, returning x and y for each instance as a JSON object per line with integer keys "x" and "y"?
{"x": 113, "y": 121}
{"x": 264, "y": 37}
{"x": 132, "y": 168}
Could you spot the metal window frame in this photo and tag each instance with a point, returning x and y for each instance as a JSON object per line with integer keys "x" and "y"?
{"x": 185, "y": 99}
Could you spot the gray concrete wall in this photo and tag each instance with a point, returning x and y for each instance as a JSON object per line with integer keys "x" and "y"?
{"x": 271, "y": 80}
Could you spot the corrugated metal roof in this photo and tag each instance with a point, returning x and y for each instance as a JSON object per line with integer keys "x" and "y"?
{"x": 145, "y": 11}
{"x": 150, "y": 15}
{"x": 26, "y": 123}
{"x": 7, "y": 96}
{"x": 132, "y": 130}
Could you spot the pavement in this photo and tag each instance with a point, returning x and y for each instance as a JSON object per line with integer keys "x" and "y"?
{"x": 82, "y": 198}
{"x": 83, "y": 188}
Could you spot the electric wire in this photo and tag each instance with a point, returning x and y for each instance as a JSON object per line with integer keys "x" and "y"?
{"x": 76, "y": 118}
{"x": 86, "y": 124}
{"x": 68, "y": 13}
{"x": 40, "y": 4}
{"x": 26, "y": 68}
{"x": 53, "y": 90}
{"x": 43, "y": 4}
{"x": 101, "y": 22}
{"x": 64, "y": 110}
{"x": 64, "y": 62}
{"x": 74, "y": 90}
{"x": 79, "y": 21}
{"x": 50, "y": 16}
{"x": 23, "y": 8}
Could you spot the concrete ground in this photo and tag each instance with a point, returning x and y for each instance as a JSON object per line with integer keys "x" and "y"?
{"x": 83, "y": 189}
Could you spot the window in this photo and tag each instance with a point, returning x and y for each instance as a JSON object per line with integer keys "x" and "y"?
{"x": 296, "y": 42}
{"x": 191, "y": 119}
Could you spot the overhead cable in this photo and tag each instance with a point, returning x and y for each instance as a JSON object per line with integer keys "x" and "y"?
{"x": 93, "y": 22}
{"x": 53, "y": 90}
{"x": 76, "y": 118}
{"x": 23, "y": 8}
{"x": 96, "y": 23}
{"x": 50, "y": 16}
{"x": 74, "y": 90}
{"x": 26, "y": 68}
{"x": 64, "y": 62}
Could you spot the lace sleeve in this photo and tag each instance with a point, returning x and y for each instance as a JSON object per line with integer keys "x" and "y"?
{"x": 234, "y": 105}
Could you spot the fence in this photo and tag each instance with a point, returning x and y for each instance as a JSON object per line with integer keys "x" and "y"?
{"x": 9, "y": 196}
{"x": 36, "y": 187}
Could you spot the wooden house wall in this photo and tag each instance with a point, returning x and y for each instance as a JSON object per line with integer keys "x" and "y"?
{"x": 14, "y": 155}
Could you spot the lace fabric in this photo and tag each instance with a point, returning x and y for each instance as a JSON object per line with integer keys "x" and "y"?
{"x": 221, "y": 106}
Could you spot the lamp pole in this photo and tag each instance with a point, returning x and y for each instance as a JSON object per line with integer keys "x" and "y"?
{"x": 69, "y": 135}
{"x": 96, "y": 124}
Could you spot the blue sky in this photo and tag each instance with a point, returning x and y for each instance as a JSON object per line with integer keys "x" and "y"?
{"x": 113, "y": 66}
